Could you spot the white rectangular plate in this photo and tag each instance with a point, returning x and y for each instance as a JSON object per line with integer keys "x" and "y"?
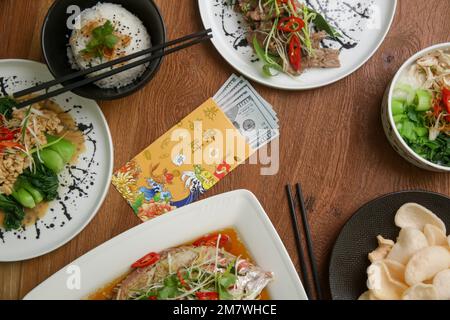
{"x": 238, "y": 209}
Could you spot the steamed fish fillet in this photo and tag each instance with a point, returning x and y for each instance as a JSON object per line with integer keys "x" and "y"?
{"x": 251, "y": 279}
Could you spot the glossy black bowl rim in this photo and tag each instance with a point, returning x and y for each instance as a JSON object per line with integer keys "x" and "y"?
{"x": 134, "y": 88}
{"x": 355, "y": 214}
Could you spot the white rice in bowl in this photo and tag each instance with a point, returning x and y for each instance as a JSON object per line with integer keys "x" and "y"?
{"x": 129, "y": 29}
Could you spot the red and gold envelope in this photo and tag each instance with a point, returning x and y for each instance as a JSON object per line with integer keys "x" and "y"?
{"x": 183, "y": 163}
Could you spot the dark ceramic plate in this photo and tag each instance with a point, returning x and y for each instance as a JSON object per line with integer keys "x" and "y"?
{"x": 349, "y": 260}
{"x": 55, "y": 38}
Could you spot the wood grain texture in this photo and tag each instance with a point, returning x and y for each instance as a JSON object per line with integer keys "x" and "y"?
{"x": 331, "y": 138}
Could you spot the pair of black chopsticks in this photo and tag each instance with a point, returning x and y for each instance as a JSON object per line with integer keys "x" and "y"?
{"x": 179, "y": 44}
{"x": 298, "y": 238}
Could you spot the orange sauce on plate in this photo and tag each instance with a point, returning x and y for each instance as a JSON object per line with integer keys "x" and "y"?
{"x": 235, "y": 247}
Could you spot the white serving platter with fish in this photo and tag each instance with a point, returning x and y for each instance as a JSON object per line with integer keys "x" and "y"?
{"x": 238, "y": 209}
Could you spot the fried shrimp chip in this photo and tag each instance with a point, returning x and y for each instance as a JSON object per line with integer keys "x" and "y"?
{"x": 382, "y": 284}
{"x": 396, "y": 270}
{"x": 426, "y": 263}
{"x": 413, "y": 215}
{"x": 421, "y": 291}
{"x": 409, "y": 241}
{"x": 442, "y": 284}
{"x": 384, "y": 247}
{"x": 435, "y": 236}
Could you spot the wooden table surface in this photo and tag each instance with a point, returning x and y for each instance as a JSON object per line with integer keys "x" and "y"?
{"x": 331, "y": 138}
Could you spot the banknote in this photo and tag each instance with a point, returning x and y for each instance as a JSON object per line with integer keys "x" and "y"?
{"x": 248, "y": 118}
{"x": 227, "y": 86}
{"x": 249, "y": 112}
{"x": 244, "y": 93}
{"x": 234, "y": 89}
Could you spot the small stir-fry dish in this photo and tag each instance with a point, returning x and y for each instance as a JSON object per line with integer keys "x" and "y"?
{"x": 214, "y": 267}
{"x": 421, "y": 107}
{"x": 417, "y": 265}
{"x": 33, "y": 150}
{"x": 287, "y": 36}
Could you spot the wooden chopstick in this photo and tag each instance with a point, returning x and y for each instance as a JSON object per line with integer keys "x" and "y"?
{"x": 297, "y": 233}
{"x": 204, "y": 35}
{"x": 312, "y": 258}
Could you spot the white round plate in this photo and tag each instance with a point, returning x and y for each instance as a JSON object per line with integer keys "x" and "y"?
{"x": 363, "y": 23}
{"x": 83, "y": 185}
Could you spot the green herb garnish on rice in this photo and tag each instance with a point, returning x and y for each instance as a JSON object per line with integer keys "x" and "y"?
{"x": 103, "y": 38}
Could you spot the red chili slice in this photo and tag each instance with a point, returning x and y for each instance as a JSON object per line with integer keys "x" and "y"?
{"x": 10, "y": 144}
{"x": 7, "y": 134}
{"x": 295, "y": 53}
{"x": 211, "y": 240}
{"x": 446, "y": 98}
{"x": 146, "y": 260}
{"x": 207, "y": 295}
{"x": 290, "y": 24}
{"x": 153, "y": 298}
{"x": 182, "y": 281}
{"x": 437, "y": 109}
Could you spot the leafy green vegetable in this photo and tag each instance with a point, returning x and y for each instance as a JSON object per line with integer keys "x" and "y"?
{"x": 102, "y": 38}
{"x": 52, "y": 160}
{"x": 398, "y": 107}
{"x": 170, "y": 289}
{"x": 437, "y": 151}
{"x": 63, "y": 147}
{"x": 322, "y": 25}
{"x": 413, "y": 127}
{"x": 48, "y": 145}
{"x": 23, "y": 197}
{"x": 408, "y": 131}
{"x": 423, "y": 100}
{"x": 6, "y": 106}
{"x": 226, "y": 280}
{"x": 421, "y": 131}
{"x": 43, "y": 179}
{"x": 399, "y": 118}
{"x": 30, "y": 189}
{"x": 13, "y": 211}
{"x": 23, "y": 183}
{"x": 266, "y": 59}
{"x": 413, "y": 115}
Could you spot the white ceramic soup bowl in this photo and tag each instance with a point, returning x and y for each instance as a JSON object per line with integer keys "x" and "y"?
{"x": 387, "y": 117}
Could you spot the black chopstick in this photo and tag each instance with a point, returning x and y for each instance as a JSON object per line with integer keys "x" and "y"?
{"x": 312, "y": 258}
{"x": 49, "y": 84}
{"x": 297, "y": 233}
{"x": 107, "y": 74}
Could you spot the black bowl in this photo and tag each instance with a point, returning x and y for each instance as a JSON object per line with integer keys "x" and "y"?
{"x": 55, "y": 39}
{"x": 349, "y": 262}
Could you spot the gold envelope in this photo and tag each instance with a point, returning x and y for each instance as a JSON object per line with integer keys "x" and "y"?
{"x": 183, "y": 163}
